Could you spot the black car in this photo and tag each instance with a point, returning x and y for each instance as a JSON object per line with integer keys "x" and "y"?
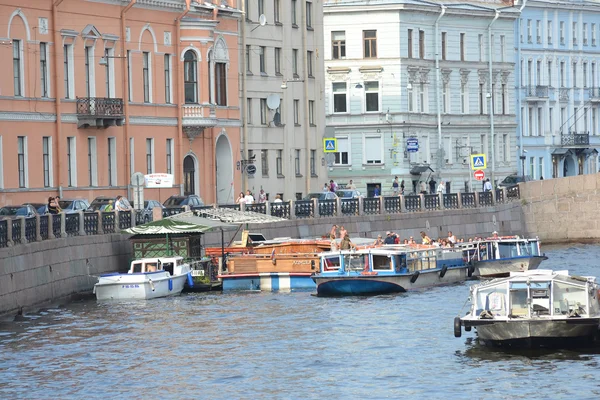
{"x": 144, "y": 215}
{"x": 25, "y": 210}
{"x": 179, "y": 201}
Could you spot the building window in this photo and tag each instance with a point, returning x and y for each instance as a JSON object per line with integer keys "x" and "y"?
{"x": 575, "y": 74}
{"x": 338, "y": 45}
{"x": 261, "y": 59}
{"x": 149, "y": 156}
{"x": 529, "y": 34}
{"x": 371, "y": 96}
{"x": 462, "y": 47}
{"x": 502, "y": 48}
{"x": 72, "y": 161}
{"x": 263, "y": 111}
{"x": 311, "y": 112}
{"x": 505, "y": 148}
{"x": 585, "y": 74}
{"x": 68, "y": 70}
{"x": 370, "y": 44}
{"x": 249, "y": 111}
{"x": 562, "y": 74}
{"x": 538, "y": 31}
{"x": 22, "y": 160}
{"x": 481, "y": 99}
{"x": 248, "y": 59}
{"x": 313, "y": 169}
{"x": 92, "y": 175}
{"x": 444, "y": 45}
{"x": 481, "y": 48}
{"x": 277, "y": 61}
{"x": 167, "y": 78}
{"x": 421, "y": 44}
{"x": 309, "y": 63}
{"x": 297, "y": 112}
{"x": 422, "y": 98}
{"x": 297, "y": 162}
{"x": 339, "y": 97}
{"x": 112, "y": 161}
{"x": 549, "y": 73}
{"x": 309, "y": 14}
{"x": 574, "y": 33}
{"x": 550, "y": 29}
{"x": 221, "y": 83}
{"x": 169, "y": 150}
{"x": 264, "y": 162}
{"x": 550, "y": 123}
{"x": 279, "y": 163}
{"x": 373, "y": 150}
{"x": 190, "y": 77}
{"x": 295, "y": 63}
{"x": 46, "y": 148}
{"x": 294, "y": 20}
{"x": 276, "y": 11}
{"x": 44, "y": 69}
{"x": 585, "y": 34}
{"x": 593, "y": 34}
{"x": 463, "y": 98}
{"x": 409, "y": 43}
{"x": 129, "y": 80}
{"x": 410, "y": 98}
{"x": 342, "y": 156}
{"x": 146, "y": 76}
{"x": 445, "y": 98}
{"x": 261, "y": 7}
{"x": 562, "y": 32}
{"x": 504, "y": 99}
{"x": 17, "y": 64}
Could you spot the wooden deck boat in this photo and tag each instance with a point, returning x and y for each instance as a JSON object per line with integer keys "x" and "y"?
{"x": 531, "y": 309}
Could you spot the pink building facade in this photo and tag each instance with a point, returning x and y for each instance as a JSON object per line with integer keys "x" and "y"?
{"x": 92, "y": 91}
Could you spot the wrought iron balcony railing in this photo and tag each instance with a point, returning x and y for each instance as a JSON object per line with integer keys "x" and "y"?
{"x": 99, "y": 106}
{"x": 594, "y": 93}
{"x": 563, "y": 94}
{"x": 575, "y": 139}
{"x": 536, "y": 91}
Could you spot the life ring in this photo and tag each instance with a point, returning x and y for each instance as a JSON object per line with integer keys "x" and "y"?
{"x": 457, "y": 327}
{"x": 443, "y": 271}
{"x": 414, "y": 277}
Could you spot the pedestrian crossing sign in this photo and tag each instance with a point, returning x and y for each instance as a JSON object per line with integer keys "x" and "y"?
{"x": 478, "y": 161}
{"x": 329, "y": 145}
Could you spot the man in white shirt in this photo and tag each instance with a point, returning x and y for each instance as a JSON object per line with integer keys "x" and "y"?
{"x": 487, "y": 186}
{"x": 351, "y": 185}
{"x": 441, "y": 188}
{"x": 451, "y": 237}
{"x": 249, "y": 198}
{"x": 120, "y": 204}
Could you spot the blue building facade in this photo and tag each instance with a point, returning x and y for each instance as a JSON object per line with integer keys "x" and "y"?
{"x": 557, "y": 62}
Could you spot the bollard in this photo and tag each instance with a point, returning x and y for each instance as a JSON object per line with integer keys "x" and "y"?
{"x": 50, "y": 227}
{"x": 9, "y": 242}
{"x": 81, "y": 223}
{"x": 63, "y": 225}
{"x": 23, "y": 229}
{"x": 100, "y": 224}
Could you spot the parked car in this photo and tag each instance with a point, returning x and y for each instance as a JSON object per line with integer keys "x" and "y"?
{"x": 513, "y": 180}
{"x": 179, "y": 201}
{"x": 100, "y": 202}
{"x": 73, "y": 205}
{"x": 321, "y": 196}
{"x": 145, "y": 214}
{"x": 42, "y": 208}
{"x": 348, "y": 194}
{"x": 25, "y": 210}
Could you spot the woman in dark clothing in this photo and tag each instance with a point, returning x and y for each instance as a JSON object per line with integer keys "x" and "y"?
{"x": 52, "y": 208}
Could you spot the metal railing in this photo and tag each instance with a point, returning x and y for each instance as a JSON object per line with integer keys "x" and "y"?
{"x": 392, "y": 205}
{"x": 371, "y": 205}
{"x": 327, "y": 208}
{"x": 563, "y": 94}
{"x": 468, "y": 200}
{"x": 350, "y": 206}
{"x": 281, "y": 209}
{"x": 99, "y": 106}
{"x": 257, "y": 207}
{"x": 44, "y": 222}
{"x": 90, "y": 223}
{"x": 451, "y": 200}
{"x": 4, "y": 233}
{"x": 30, "y": 229}
{"x": 108, "y": 222}
{"x": 16, "y": 230}
{"x": 72, "y": 224}
{"x": 575, "y": 139}
{"x": 594, "y": 92}
{"x": 536, "y": 91}
{"x": 56, "y": 225}
{"x": 432, "y": 201}
{"x": 124, "y": 219}
{"x": 412, "y": 203}
{"x": 304, "y": 209}
{"x": 486, "y": 199}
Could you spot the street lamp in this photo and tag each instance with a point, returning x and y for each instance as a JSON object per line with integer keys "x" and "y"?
{"x": 285, "y": 82}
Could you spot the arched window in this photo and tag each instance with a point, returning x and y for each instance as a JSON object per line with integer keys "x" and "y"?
{"x": 190, "y": 76}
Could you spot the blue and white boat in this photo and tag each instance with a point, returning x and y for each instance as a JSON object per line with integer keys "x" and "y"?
{"x": 500, "y": 255}
{"x": 387, "y": 269}
{"x": 147, "y": 278}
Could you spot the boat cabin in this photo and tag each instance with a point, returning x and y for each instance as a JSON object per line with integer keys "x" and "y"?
{"x": 495, "y": 249}
{"x": 527, "y": 295}
{"x": 149, "y": 265}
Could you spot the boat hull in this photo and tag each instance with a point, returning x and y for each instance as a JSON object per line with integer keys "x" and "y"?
{"x": 268, "y": 281}
{"x": 139, "y": 286}
{"x": 503, "y": 267}
{"x": 367, "y": 285}
{"x": 535, "y": 333}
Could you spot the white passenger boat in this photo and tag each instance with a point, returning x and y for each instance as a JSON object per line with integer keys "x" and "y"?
{"x": 540, "y": 308}
{"x": 147, "y": 278}
{"x": 500, "y": 255}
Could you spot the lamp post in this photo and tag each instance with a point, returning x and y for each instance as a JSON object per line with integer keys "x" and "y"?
{"x": 523, "y": 166}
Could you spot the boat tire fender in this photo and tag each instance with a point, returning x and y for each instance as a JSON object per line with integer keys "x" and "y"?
{"x": 457, "y": 327}
{"x": 414, "y": 277}
{"x": 170, "y": 285}
{"x": 190, "y": 280}
{"x": 443, "y": 271}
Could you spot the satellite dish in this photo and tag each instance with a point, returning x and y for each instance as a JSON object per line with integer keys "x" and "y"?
{"x": 277, "y": 119}
{"x": 262, "y": 20}
{"x": 273, "y": 101}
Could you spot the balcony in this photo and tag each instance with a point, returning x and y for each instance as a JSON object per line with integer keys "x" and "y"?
{"x": 196, "y": 118}
{"x": 594, "y": 94}
{"x": 536, "y": 93}
{"x": 99, "y": 112}
{"x": 563, "y": 94}
{"x": 575, "y": 139}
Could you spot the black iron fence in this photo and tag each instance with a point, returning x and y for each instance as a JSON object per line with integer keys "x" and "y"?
{"x": 432, "y": 201}
{"x": 56, "y": 225}
{"x": 257, "y": 207}
{"x": 371, "y": 205}
{"x": 90, "y": 223}
{"x": 392, "y": 205}
{"x": 451, "y": 201}
{"x": 99, "y": 106}
{"x": 575, "y": 139}
{"x": 16, "y": 230}
{"x": 304, "y": 209}
{"x": 4, "y": 233}
{"x": 108, "y": 222}
{"x": 412, "y": 203}
{"x": 349, "y": 206}
{"x": 72, "y": 224}
{"x": 30, "y": 229}
{"x": 280, "y": 209}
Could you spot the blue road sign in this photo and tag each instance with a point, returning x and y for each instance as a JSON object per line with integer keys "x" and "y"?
{"x": 412, "y": 145}
{"x": 478, "y": 161}
{"x": 329, "y": 145}
{"x": 251, "y": 169}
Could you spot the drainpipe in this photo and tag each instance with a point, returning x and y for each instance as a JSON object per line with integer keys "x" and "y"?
{"x": 519, "y": 86}
{"x": 438, "y": 89}
{"x": 305, "y": 94}
{"x": 492, "y": 158}
{"x": 125, "y": 90}
{"x": 179, "y": 81}
{"x": 244, "y": 105}
{"x": 57, "y": 67}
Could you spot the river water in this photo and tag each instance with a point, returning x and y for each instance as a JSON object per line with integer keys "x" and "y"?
{"x": 284, "y": 346}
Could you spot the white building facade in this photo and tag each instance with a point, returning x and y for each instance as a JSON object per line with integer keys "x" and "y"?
{"x": 398, "y": 71}
{"x": 282, "y": 94}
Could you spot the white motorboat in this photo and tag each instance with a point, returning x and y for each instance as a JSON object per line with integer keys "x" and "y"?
{"x": 540, "y": 308}
{"x": 147, "y": 278}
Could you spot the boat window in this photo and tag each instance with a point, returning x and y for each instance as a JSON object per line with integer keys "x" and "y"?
{"x": 168, "y": 266}
{"x": 507, "y": 249}
{"x": 400, "y": 262}
{"x": 331, "y": 263}
{"x": 540, "y": 297}
{"x": 355, "y": 262}
{"x": 518, "y": 299}
{"x": 568, "y": 298}
{"x": 529, "y": 248}
{"x": 414, "y": 264}
{"x": 492, "y": 300}
{"x": 382, "y": 263}
{"x": 137, "y": 267}
{"x": 151, "y": 267}
{"x": 483, "y": 252}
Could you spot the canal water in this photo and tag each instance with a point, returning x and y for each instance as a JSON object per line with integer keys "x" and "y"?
{"x": 284, "y": 346}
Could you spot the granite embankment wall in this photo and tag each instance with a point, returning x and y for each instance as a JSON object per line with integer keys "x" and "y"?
{"x": 53, "y": 270}
{"x": 562, "y": 210}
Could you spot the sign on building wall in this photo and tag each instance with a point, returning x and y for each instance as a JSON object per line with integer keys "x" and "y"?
{"x": 329, "y": 145}
{"x": 159, "y": 180}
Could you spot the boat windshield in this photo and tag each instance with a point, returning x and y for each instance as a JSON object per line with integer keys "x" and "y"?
{"x": 382, "y": 263}
{"x": 507, "y": 249}
{"x": 492, "y": 299}
{"x": 331, "y": 263}
{"x": 355, "y": 262}
{"x": 529, "y": 248}
{"x": 568, "y": 298}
